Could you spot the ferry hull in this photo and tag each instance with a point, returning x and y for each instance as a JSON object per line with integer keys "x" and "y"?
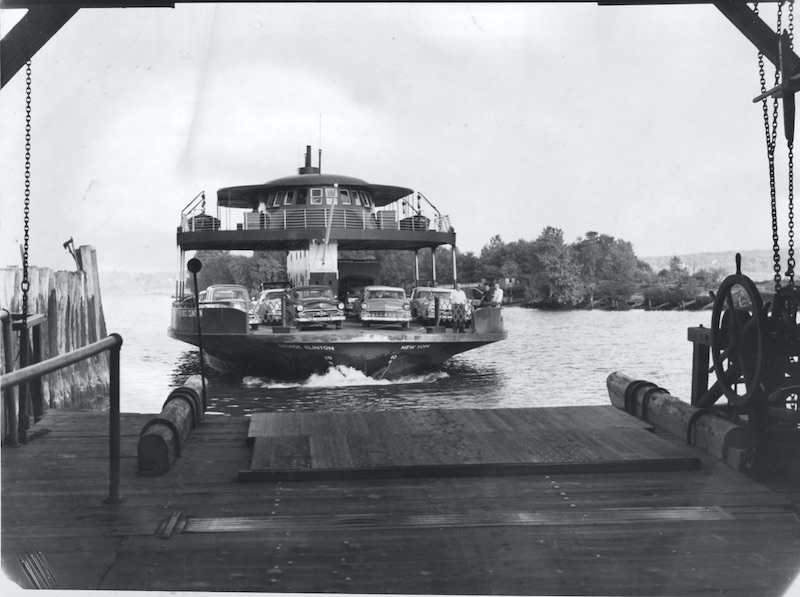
{"x": 384, "y": 353}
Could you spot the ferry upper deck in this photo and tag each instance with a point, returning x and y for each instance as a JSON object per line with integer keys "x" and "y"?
{"x": 286, "y": 213}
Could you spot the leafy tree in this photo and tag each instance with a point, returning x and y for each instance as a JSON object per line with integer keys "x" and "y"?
{"x": 223, "y": 267}
{"x": 468, "y": 265}
{"x": 556, "y": 277}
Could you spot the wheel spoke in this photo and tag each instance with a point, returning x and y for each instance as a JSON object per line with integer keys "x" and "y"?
{"x": 729, "y": 299}
{"x": 732, "y": 374}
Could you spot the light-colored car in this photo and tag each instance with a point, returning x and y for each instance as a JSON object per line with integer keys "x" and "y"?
{"x": 383, "y": 305}
{"x": 313, "y": 305}
{"x": 423, "y": 304}
{"x": 225, "y": 295}
{"x": 267, "y": 308}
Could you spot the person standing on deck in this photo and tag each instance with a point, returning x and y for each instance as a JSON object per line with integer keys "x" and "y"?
{"x": 486, "y": 299}
{"x": 458, "y": 300}
{"x": 497, "y": 297}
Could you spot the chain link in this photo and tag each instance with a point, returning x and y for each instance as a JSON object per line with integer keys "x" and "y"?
{"x": 27, "y": 211}
{"x": 770, "y": 134}
{"x": 790, "y": 147}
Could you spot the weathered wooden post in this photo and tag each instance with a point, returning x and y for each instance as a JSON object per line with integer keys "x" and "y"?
{"x": 702, "y": 428}
{"x": 701, "y": 340}
{"x": 9, "y": 394}
{"x": 161, "y": 438}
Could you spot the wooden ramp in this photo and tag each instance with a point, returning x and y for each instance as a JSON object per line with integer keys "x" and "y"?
{"x": 464, "y": 442}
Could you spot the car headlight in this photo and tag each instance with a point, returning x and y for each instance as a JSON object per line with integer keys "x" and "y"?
{"x": 299, "y": 308}
{"x": 341, "y": 306}
{"x": 406, "y": 306}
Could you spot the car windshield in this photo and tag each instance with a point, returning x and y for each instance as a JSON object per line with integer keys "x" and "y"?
{"x": 422, "y": 294}
{"x": 442, "y": 294}
{"x": 314, "y": 293}
{"x": 386, "y": 294}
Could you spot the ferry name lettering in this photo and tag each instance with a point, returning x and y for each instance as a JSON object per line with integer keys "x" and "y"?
{"x": 291, "y": 346}
{"x": 320, "y": 347}
{"x": 414, "y": 346}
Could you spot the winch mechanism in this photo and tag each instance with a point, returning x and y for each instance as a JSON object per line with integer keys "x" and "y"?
{"x": 755, "y": 345}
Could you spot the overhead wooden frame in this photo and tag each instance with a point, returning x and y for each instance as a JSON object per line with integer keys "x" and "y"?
{"x": 46, "y": 17}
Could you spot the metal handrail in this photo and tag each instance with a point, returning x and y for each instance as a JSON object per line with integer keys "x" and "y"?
{"x": 343, "y": 218}
{"x": 112, "y": 343}
{"x": 199, "y": 200}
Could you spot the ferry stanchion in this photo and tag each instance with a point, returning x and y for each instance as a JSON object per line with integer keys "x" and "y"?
{"x": 115, "y": 425}
{"x": 194, "y": 266}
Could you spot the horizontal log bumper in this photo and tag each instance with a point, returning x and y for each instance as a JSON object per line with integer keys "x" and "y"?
{"x": 161, "y": 438}
{"x": 702, "y": 428}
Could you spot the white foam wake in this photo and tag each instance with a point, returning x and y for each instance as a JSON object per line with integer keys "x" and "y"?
{"x": 341, "y": 376}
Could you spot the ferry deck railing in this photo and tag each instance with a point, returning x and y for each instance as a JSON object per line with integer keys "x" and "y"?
{"x": 30, "y": 333}
{"x": 112, "y": 343}
{"x": 400, "y": 215}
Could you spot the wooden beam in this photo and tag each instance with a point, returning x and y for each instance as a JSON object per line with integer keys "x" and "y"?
{"x": 759, "y": 33}
{"x": 28, "y": 36}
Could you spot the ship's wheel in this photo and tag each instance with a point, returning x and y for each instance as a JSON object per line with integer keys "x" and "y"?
{"x": 737, "y": 337}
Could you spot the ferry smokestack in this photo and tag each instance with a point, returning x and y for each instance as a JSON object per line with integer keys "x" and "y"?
{"x": 308, "y": 168}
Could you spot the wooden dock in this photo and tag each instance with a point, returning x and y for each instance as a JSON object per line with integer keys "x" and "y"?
{"x": 684, "y": 524}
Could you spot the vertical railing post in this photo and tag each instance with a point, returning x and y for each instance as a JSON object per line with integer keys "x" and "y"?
{"x": 24, "y": 393}
{"x": 10, "y": 394}
{"x": 115, "y": 432}
{"x": 37, "y": 391}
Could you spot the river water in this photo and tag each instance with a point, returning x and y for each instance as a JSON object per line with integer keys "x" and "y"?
{"x": 549, "y": 359}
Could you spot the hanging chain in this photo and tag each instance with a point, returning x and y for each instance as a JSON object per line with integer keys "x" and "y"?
{"x": 770, "y": 133}
{"x": 25, "y": 282}
{"x": 790, "y": 146}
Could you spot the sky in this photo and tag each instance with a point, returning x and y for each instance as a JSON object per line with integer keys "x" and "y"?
{"x": 631, "y": 121}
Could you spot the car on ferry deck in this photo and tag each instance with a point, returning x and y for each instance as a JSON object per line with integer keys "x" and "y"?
{"x": 225, "y": 295}
{"x": 423, "y": 304}
{"x": 312, "y": 306}
{"x": 383, "y": 305}
{"x": 268, "y": 306}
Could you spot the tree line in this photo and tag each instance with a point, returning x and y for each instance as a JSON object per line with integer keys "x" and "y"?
{"x": 594, "y": 270}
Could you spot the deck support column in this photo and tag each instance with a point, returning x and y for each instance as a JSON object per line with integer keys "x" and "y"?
{"x": 455, "y": 270}
{"x": 416, "y": 268}
{"x": 433, "y": 266}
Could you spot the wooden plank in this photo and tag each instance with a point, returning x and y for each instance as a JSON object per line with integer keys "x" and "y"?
{"x": 557, "y": 532}
{"x": 330, "y": 452}
{"x": 282, "y": 452}
{"x": 455, "y": 438}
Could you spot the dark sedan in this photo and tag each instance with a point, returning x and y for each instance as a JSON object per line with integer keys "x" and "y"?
{"x": 312, "y": 306}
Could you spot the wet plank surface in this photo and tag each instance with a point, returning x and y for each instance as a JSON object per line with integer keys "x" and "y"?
{"x": 454, "y": 442}
{"x": 686, "y": 532}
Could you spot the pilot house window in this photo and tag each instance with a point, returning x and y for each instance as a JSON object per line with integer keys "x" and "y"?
{"x": 344, "y": 195}
{"x": 316, "y": 196}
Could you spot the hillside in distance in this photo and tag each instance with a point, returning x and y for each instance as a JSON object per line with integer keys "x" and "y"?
{"x": 756, "y": 264}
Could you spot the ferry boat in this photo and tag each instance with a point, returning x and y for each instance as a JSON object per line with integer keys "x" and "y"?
{"x": 310, "y": 217}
